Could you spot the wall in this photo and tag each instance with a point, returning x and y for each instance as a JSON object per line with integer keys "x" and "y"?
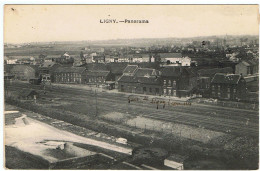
{"x": 241, "y": 69}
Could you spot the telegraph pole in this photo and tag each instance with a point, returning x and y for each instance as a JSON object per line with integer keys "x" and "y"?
{"x": 96, "y": 102}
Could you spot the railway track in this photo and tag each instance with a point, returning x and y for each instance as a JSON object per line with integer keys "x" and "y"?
{"x": 194, "y": 116}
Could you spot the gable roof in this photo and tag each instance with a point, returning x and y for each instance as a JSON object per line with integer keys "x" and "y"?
{"x": 245, "y": 63}
{"x": 149, "y": 80}
{"x": 211, "y": 72}
{"x": 252, "y": 62}
{"x": 98, "y": 73}
{"x": 48, "y": 64}
{"x": 117, "y": 68}
{"x": 170, "y": 55}
{"x": 226, "y": 78}
{"x": 143, "y": 80}
{"x": 127, "y": 79}
{"x": 97, "y": 66}
{"x": 70, "y": 69}
{"x": 23, "y": 68}
{"x": 171, "y": 71}
{"x": 146, "y": 72}
{"x": 130, "y": 69}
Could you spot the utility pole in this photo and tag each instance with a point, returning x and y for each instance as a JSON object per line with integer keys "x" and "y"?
{"x": 96, "y": 102}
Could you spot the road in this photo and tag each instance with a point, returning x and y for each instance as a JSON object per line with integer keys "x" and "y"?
{"x": 229, "y": 120}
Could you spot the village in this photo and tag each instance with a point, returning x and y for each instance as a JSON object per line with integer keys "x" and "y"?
{"x": 222, "y": 72}
{"x": 163, "y": 106}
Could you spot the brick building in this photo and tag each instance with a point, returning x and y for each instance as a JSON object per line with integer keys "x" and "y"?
{"x": 70, "y": 75}
{"x": 228, "y": 86}
{"x": 23, "y": 72}
{"x": 178, "y": 81}
{"x": 205, "y": 76}
{"x": 247, "y": 68}
{"x": 140, "y": 81}
{"x": 98, "y": 77}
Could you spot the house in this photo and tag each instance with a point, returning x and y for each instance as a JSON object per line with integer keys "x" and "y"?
{"x": 9, "y": 60}
{"x": 23, "y": 72}
{"x": 98, "y": 77}
{"x": 62, "y": 59}
{"x": 88, "y": 58}
{"x": 8, "y": 78}
{"x": 117, "y": 70}
{"x": 140, "y": 81}
{"x": 100, "y": 74}
{"x": 48, "y": 69}
{"x": 178, "y": 81}
{"x": 42, "y": 57}
{"x": 123, "y": 58}
{"x": 100, "y": 58}
{"x": 109, "y": 58}
{"x": 139, "y": 58}
{"x": 228, "y": 86}
{"x": 205, "y": 76}
{"x": 69, "y": 75}
{"x": 175, "y": 59}
{"x": 247, "y": 68}
{"x": 78, "y": 62}
{"x": 52, "y": 58}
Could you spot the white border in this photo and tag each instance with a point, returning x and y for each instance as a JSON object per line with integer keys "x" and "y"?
{"x": 3, "y": 2}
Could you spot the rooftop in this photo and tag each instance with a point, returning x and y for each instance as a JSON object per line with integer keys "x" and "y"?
{"x": 98, "y": 73}
{"x": 146, "y": 72}
{"x": 170, "y": 55}
{"x": 70, "y": 69}
{"x": 226, "y": 78}
{"x": 130, "y": 69}
{"x": 213, "y": 71}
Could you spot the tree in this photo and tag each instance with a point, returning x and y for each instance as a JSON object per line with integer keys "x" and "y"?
{"x": 81, "y": 55}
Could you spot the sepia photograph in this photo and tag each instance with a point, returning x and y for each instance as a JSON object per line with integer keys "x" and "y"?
{"x": 130, "y": 87}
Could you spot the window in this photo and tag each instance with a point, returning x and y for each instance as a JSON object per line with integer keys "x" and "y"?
{"x": 228, "y": 93}
{"x": 157, "y": 90}
{"x": 165, "y": 91}
{"x": 174, "y": 84}
{"x": 219, "y": 93}
{"x": 150, "y": 89}
{"x": 144, "y": 89}
{"x": 165, "y": 82}
{"x": 248, "y": 70}
{"x": 234, "y": 93}
{"x": 170, "y": 92}
{"x": 170, "y": 83}
{"x": 174, "y": 92}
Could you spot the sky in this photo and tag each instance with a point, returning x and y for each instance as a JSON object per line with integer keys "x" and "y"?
{"x": 45, "y": 23}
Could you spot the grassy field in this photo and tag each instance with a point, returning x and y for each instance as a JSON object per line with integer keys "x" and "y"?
{"x": 36, "y": 50}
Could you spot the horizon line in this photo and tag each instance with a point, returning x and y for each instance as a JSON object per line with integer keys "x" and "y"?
{"x": 133, "y": 39}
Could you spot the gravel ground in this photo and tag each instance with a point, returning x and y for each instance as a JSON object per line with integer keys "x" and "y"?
{"x": 198, "y": 134}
